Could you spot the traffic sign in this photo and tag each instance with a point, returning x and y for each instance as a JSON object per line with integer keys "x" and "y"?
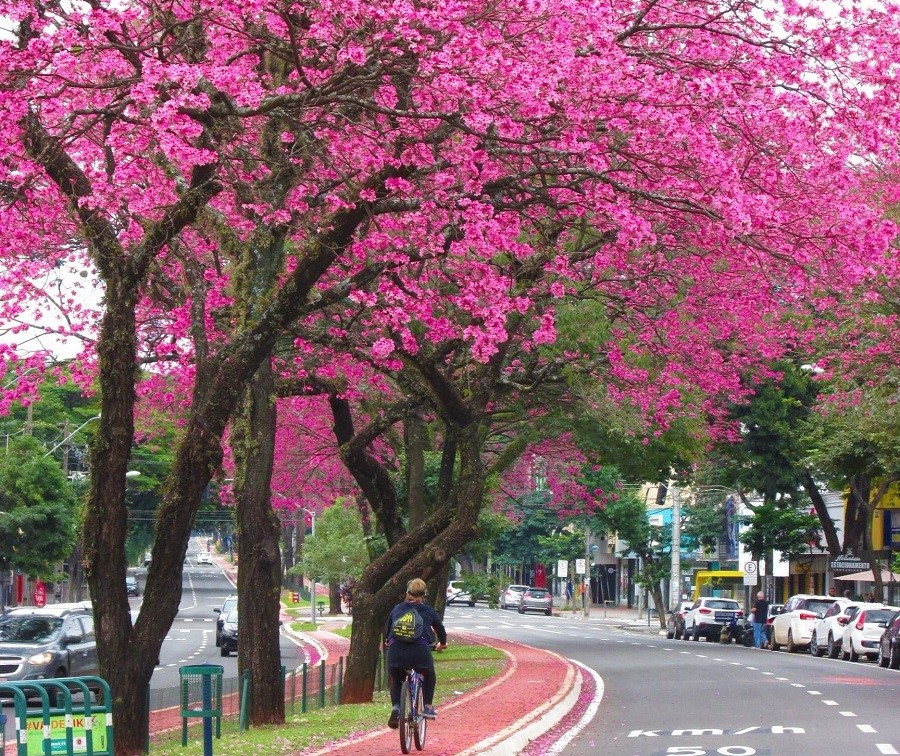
{"x": 39, "y": 594}
{"x": 751, "y": 573}
{"x": 581, "y": 566}
{"x": 562, "y": 568}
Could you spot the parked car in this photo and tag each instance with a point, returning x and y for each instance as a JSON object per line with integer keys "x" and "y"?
{"x": 229, "y": 639}
{"x": 774, "y": 610}
{"x": 226, "y": 607}
{"x": 204, "y": 557}
{"x": 707, "y": 616}
{"x": 536, "y": 600}
{"x": 829, "y": 630}
{"x": 56, "y": 640}
{"x": 456, "y": 595}
{"x": 863, "y": 635}
{"x": 131, "y": 586}
{"x": 675, "y": 622}
{"x": 511, "y": 595}
{"x": 793, "y": 628}
{"x": 889, "y": 644}
{"x": 148, "y": 557}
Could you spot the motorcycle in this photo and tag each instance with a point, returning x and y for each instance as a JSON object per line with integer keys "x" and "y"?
{"x": 738, "y": 630}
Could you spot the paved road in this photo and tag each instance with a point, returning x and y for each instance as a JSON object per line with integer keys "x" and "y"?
{"x": 696, "y": 698}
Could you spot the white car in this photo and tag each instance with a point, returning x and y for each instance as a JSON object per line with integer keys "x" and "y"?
{"x": 793, "y": 628}
{"x": 456, "y": 595}
{"x": 512, "y": 595}
{"x": 829, "y": 631}
{"x": 708, "y": 615}
{"x": 863, "y": 634}
{"x": 204, "y": 557}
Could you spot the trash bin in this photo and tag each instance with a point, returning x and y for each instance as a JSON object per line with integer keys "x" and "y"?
{"x": 201, "y": 696}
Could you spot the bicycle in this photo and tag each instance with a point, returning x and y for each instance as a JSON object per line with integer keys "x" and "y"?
{"x": 413, "y": 724}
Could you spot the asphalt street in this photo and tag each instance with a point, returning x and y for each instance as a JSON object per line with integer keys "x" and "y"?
{"x": 691, "y": 698}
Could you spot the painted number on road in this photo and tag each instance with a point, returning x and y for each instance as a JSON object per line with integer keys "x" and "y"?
{"x": 724, "y": 750}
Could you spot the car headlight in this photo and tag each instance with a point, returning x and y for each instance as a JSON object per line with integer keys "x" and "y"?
{"x": 45, "y": 657}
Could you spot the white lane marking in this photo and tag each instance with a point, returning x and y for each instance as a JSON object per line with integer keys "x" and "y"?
{"x": 846, "y": 713}
{"x": 586, "y": 718}
{"x": 755, "y": 669}
{"x": 867, "y": 728}
{"x": 814, "y": 693}
{"x": 886, "y": 748}
{"x": 700, "y": 656}
{"x": 783, "y": 679}
{"x": 769, "y": 673}
{"x": 830, "y": 703}
{"x": 797, "y": 685}
{"x": 736, "y": 664}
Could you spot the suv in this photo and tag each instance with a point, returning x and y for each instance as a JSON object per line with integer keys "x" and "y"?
{"x": 56, "y": 640}
{"x": 229, "y": 604}
{"x": 456, "y": 595}
{"x": 708, "y": 615}
{"x": 793, "y": 628}
{"x": 131, "y": 586}
{"x": 889, "y": 645}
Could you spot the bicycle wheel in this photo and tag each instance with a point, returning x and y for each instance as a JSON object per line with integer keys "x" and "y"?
{"x": 406, "y": 717}
{"x": 421, "y": 724}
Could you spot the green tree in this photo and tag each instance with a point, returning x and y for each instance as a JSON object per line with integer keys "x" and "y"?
{"x": 338, "y": 549}
{"x": 781, "y": 525}
{"x": 39, "y": 510}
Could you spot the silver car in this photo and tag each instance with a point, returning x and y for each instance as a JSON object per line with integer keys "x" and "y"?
{"x": 512, "y": 595}
{"x": 53, "y": 641}
{"x": 536, "y": 600}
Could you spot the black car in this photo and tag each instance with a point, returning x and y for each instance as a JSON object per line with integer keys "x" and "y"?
{"x": 228, "y": 641}
{"x": 229, "y": 604}
{"x": 131, "y": 586}
{"x": 675, "y": 622}
{"x": 889, "y": 645}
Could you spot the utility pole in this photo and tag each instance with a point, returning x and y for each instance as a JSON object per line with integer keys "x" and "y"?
{"x": 676, "y": 546}
{"x": 587, "y": 571}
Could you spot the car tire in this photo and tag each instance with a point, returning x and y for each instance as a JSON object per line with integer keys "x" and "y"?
{"x": 521, "y": 610}
{"x": 218, "y": 640}
{"x": 883, "y": 660}
{"x": 894, "y": 662}
{"x": 223, "y": 651}
{"x": 695, "y": 636}
{"x": 833, "y": 648}
{"x": 814, "y": 646}
{"x": 872, "y": 657}
{"x": 791, "y": 647}
{"x": 853, "y": 656}
{"x": 549, "y": 612}
{"x": 670, "y": 634}
{"x": 844, "y": 655}
{"x": 773, "y": 645}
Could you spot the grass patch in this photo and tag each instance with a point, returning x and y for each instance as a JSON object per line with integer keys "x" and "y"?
{"x": 459, "y": 669}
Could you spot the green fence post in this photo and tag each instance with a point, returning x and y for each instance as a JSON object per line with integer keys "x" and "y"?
{"x": 322, "y": 685}
{"x": 244, "y": 718}
{"x": 303, "y": 691}
{"x": 340, "y": 681}
{"x": 294, "y": 691}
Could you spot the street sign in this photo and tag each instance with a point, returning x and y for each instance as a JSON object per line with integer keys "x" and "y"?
{"x": 580, "y": 566}
{"x": 562, "y": 568}
{"x": 39, "y": 594}
{"x": 751, "y": 573}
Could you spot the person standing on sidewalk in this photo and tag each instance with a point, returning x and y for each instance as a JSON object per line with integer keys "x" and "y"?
{"x": 760, "y": 615}
{"x": 411, "y": 649}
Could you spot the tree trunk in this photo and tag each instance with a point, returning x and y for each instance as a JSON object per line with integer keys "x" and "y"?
{"x": 334, "y": 597}
{"x": 259, "y": 574}
{"x": 415, "y": 469}
{"x": 366, "y": 637}
{"x": 287, "y": 536}
{"x": 828, "y": 527}
{"x": 857, "y": 514}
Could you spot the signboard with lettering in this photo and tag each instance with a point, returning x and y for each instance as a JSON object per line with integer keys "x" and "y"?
{"x": 562, "y": 568}
{"x": 847, "y": 563}
{"x": 34, "y": 734}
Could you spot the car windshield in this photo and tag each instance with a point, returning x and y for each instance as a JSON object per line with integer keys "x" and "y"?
{"x": 722, "y": 604}
{"x": 517, "y": 588}
{"x": 29, "y": 629}
{"x": 537, "y": 594}
{"x": 232, "y": 617}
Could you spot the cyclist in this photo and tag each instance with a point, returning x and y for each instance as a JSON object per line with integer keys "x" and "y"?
{"x": 416, "y": 655}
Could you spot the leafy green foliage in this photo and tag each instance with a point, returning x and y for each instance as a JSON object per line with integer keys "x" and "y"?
{"x": 482, "y": 586}
{"x": 39, "y": 510}
{"x": 337, "y": 551}
{"x": 782, "y": 525}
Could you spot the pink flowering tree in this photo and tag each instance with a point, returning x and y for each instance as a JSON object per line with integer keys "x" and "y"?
{"x": 451, "y": 174}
